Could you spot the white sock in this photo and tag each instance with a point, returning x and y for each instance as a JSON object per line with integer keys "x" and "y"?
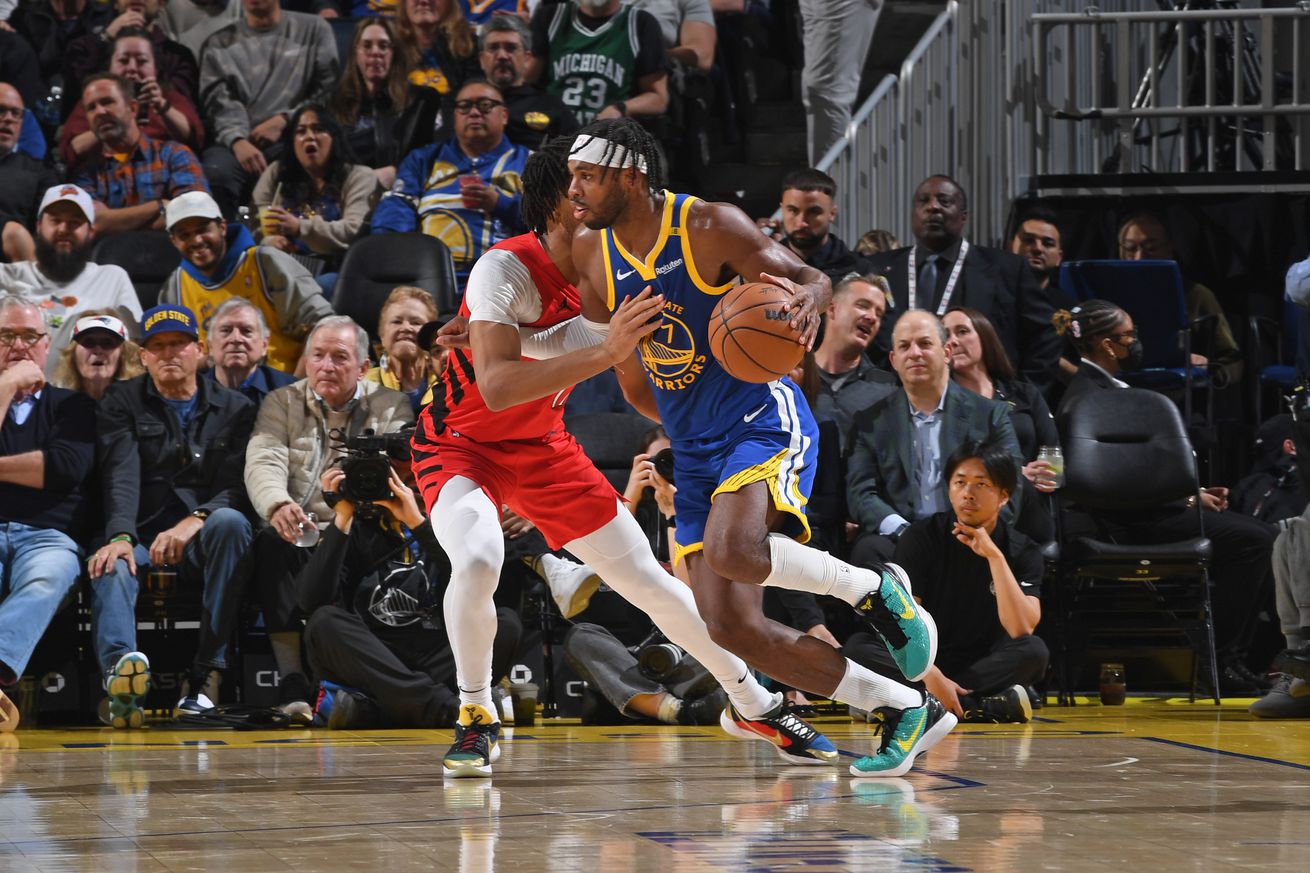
{"x": 802, "y": 568}
{"x": 864, "y": 689}
{"x": 749, "y": 697}
{"x": 467, "y": 526}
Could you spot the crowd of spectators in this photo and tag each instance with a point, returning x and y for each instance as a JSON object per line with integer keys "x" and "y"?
{"x": 199, "y": 435}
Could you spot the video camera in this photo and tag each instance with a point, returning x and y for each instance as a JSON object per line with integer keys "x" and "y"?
{"x": 367, "y": 464}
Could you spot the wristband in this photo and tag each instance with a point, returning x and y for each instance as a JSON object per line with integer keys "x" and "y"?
{"x": 167, "y": 107}
{"x": 670, "y": 521}
{"x": 122, "y": 538}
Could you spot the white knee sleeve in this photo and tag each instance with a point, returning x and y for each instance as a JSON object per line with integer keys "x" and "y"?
{"x": 467, "y": 525}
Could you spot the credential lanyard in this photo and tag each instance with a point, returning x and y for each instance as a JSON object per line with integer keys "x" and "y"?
{"x": 912, "y": 279}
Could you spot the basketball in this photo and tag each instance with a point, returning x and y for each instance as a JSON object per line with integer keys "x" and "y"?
{"x": 750, "y": 333}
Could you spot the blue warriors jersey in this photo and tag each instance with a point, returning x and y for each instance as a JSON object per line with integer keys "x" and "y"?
{"x": 726, "y": 433}
{"x": 694, "y": 394}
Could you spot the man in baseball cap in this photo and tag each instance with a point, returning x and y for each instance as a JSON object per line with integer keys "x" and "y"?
{"x": 62, "y": 281}
{"x": 220, "y": 261}
{"x": 173, "y": 498}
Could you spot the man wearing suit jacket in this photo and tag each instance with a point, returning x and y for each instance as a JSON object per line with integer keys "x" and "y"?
{"x": 950, "y": 271}
{"x": 897, "y": 446}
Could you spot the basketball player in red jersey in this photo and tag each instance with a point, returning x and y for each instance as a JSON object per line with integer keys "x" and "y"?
{"x": 744, "y": 453}
{"x": 494, "y": 436}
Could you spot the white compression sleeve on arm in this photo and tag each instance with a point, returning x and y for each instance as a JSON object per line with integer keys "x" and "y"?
{"x": 560, "y": 339}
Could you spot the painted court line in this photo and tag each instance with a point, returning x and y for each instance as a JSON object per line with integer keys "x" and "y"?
{"x": 1243, "y": 756}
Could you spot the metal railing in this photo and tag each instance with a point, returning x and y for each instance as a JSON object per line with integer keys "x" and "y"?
{"x": 1170, "y": 91}
{"x": 905, "y": 130}
{"x": 993, "y": 97}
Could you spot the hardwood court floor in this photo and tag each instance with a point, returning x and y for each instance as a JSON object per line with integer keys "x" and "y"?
{"x": 1151, "y": 786}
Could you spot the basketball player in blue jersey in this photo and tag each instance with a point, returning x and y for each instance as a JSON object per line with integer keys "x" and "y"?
{"x": 744, "y": 453}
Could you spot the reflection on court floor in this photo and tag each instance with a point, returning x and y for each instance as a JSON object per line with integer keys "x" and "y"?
{"x": 1155, "y": 785}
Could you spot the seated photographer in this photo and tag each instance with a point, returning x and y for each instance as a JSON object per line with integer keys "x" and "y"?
{"x": 291, "y": 446}
{"x": 653, "y": 680}
{"x": 649, "y": 492}
{"x": 171, "y": 449}
{"x": 981, "y": 580}
{"x": 372, "y": 590}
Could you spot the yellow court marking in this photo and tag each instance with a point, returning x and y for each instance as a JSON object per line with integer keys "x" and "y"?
{"x": 1227, "y": 730}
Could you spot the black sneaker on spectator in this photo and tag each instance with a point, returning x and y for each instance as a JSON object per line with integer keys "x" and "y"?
{"x": 195, "y": 701}
{"x": 353, "y": 710}
{"x": 1011, "y": 706}
{"x": 703, "y": 710}
{"x": 1294, "y": 662}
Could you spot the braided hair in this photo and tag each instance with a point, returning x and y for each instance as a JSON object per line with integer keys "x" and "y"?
{"x": 1089, "y": 322}
{"x": 628, "y": 134}
{"x": 545, "y": 180}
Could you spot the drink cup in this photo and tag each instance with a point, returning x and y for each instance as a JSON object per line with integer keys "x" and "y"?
{"x": 161, "y": 581}
{"x": 267, "y": 223}
{"x": 467, "y": 181}
{"x": 524, "y": 695}
{"x": 308, "y": 537}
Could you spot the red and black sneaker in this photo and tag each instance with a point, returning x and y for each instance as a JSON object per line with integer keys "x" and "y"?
{"x": 794, "y": 739}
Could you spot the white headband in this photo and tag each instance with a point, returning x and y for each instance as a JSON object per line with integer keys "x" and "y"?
{"x": 591, "y": 150}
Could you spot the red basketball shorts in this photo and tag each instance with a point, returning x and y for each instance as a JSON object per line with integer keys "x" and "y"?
{"x": 548, "y": 481}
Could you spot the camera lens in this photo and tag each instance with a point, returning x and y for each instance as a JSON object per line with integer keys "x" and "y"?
{"x": 657, "y": 662}
{"x": 663, "y": 462}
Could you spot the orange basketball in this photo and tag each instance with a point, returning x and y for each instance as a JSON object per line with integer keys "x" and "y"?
{"x": 751, "y": 335}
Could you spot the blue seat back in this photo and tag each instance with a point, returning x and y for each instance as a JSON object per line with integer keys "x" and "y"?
{"x": 1150, "y": 291}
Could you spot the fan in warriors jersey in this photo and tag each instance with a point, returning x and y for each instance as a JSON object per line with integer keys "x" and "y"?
{"x": 744, "y": 453}
{"x": 494, "y": 436}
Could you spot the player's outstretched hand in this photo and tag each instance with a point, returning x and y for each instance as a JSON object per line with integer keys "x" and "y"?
{"x": 635, "y": 318}
{"x": 803, "y": 306}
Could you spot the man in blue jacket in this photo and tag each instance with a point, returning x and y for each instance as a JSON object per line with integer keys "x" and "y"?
{"x": 464, "y": 191}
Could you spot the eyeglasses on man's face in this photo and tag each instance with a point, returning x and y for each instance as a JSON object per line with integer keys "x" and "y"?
{"x": 28, "y": 338}
{"x": 484, "y": 105}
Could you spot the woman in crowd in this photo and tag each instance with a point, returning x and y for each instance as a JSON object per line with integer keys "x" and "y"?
{"x": 163, "y": 113}
{"x": 404, "y": 366}
{"x": 1106, "y": 339}
{"x": 99, "y": 355}
{"x": 383, "y": 115}
{"x": 314, "y": 200}
{"x": 979, "y": 363}
{"x": 443, "y": 45}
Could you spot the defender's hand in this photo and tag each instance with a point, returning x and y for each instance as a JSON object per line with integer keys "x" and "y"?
{"x": 635, "y": 318}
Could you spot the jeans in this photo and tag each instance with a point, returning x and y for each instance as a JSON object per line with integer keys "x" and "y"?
{"x": 213, "y": 558}
{"x": 38, "y": 569}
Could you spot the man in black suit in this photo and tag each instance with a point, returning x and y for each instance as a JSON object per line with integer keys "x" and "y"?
{"x": 897, "y": 446}
{"x": 943, "y": 269}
